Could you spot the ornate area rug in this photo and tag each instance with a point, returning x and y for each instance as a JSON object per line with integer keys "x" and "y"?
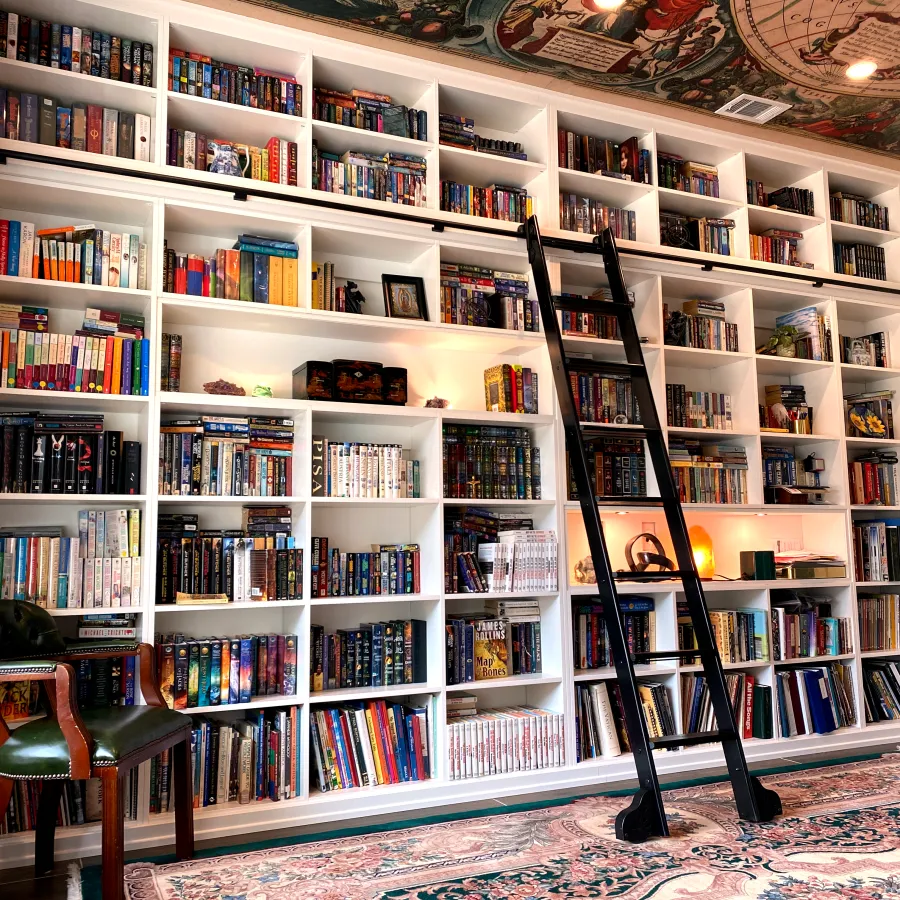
{"x": 839, "y": 839}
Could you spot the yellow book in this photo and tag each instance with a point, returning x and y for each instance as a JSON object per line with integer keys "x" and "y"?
{"x": 491, "y": 649}
{"x": 379, "y": 769}
{"x": 289, "y": 282}
{"x": 276, "y": 265}
{"x": 115, "y": 382}
{"x": 316, "y": 275}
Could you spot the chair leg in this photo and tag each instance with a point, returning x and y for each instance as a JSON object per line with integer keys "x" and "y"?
{"x": 184, "y": 801}
{"x": 112, "y": 782}
{"x": 45, "y": 830}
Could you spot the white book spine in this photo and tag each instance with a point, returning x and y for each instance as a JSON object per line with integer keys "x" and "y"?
{"x": 134, "y": 244}
{"x": 126, "y": 581}
{"x": 115, "y": 598}
{"x": 12, "y": 35}
{"x": 115, "y": 260}
{"x": 26, "y": 249}
{"x": 142, "y": 267}
{"x": 106, "y": 569}
{"x": 142, "y": 137}
{"x": 137, "y": 594}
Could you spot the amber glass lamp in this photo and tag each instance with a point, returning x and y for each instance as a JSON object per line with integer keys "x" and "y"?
{"x": 702, "y": 545}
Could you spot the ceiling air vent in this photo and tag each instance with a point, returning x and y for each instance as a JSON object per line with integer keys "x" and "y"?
{"x": 748, "y": 108}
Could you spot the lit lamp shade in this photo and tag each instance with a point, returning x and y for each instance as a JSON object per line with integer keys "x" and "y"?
{"x": 701, "y": 544}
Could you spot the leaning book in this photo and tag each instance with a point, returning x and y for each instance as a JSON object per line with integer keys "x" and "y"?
{"x": 491, "y": 649}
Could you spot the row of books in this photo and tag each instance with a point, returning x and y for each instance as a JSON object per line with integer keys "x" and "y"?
{"x": 780, "y": 467}
{"x": 202, "y": 76}
{"x": 224, "y": 671}
{"x": 74, "y": 126}
{"x": 496, "y": 201}
{"x": 866, "y": 350}
{"x": 869, "y": 414}
{"x": 862, "y": 260}
{"x": 790, "y": 199}
{"x": 591, "y": 640}
{"x": 75, "y": 49}
{"x": 751, "y": 704}
{"x": 815, "y": 700}
{"x": 248, "y": 456}
{"x": 170, "y": 362}
{"x": 353, "y": 469}
{"x": 511, "y": 388}
{"x": 367, "y": 744}
{"x": 876, "y": 550}
{"x": 255, "y": 270}
{"x": 41, "y": 566}
{"x": 779, "y": 246}
{"x": 740, "y": 634}
{"x": 704, "y": 234}
{"x": 388, "y": 569}
{"x": 325, "y": 292}
{"x": 857, "y": 210}
{"x": 585, "y": 215}
{"x": 596, "y": 325}
{"x": 619, "y": 469}
{"x": 701, "y": 324}
{"x": 486, "y": 646}
{"x": 603, "y": 398}
{"x": 459, "y": 132}
{"x": 881, "y": 690}
{"x": 804, "y": 627}
{"x": 77, "y": 253}
{"x": 276, "y": 163}
{"x": 66, "y": 454}
{"x": 392, "y": 177}
{"x": 873, "y": 478}
{"x": 258, "y": 563}
{"x": 879, "y": 621}
{"x": 376, "y": 654}
{"x": 598, "y": 156}
{"x": 677, "y": 173}
{"x": 370, "y": 112}
{"x": 708, "y": 473}
{"x": 490, "y": 462}
{"x": 474, "y": 295}
{"x": 507, "y": 739}
{"x": 697, "y": 409}
{"x": 519, "y": 560}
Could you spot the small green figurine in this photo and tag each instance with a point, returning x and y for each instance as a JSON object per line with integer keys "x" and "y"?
{"x": 262, "y": 390}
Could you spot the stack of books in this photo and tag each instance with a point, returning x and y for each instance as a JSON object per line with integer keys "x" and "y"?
{"x": 873, "y": 478}
{"x": 102, "y": 567}
{"x": 110, "y": 626}
{"x": 709, "y": 473}
{"x": 697, "y": 409}
{"x": 619, "y": 468}
{"x": 80, "y": 254}
{"x": 511, "y": 388}
{"x": 240, "y": 456}
{"x": 170, "y": 362}
{"x": 202, "y": 76}
{"x": 751, "y": 704}
{"x": 866, "y": 350}
{"x": 107, "y": 355}
{"x": 706, "y": 235}
{"x": 815, "y": 700}
{"x": 354, "y": 469}
{"x": 494, "y": 741}
{"x": 257, "y": 563}
{"x": 74, "y": 126}
{"x": 490, "y": 462}
{"x": 585, "y": 215}
{"x": 256, "y": 270}
{"x": 49, "y": 453}
{"x": 704, "y": 326}
{"x": 740, "y": 634}
{"x": 585, "y": 153}
{"x": 780, "y": 468}
{"x": 392, "y": 177}
{"x": 876, "y": 550}
{"x": 459, "y": 132}
{"x": 879, "y": 621}
{"x": 592, "y": 649}
{"x": 75, "y": 49}
{"x": 496, "y": 201}
{"x": 790, "y": 199}
{"x": 777, "y": 245}
{"x": 370, "y": 112}
{"x": 388, "y": 569}
{"x": 379, "y": 654}
{"x": 881, "y": 690}
{"x": 678, "y": 174}
{"x": 862, "y": 260}
{"x": 474, "y": 295}
{"x": 869, "y": 414}
{"x": 603, "y": 398}
{"x": 786, "y": 409}
{"x": 364, "y": 744}
{"x": 857, "y": 210}
{"x": 803, "y": 626}
{"x": 276, "y": 163}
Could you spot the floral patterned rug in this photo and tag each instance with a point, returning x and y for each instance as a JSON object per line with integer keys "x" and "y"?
{"x": 839, "y": 839}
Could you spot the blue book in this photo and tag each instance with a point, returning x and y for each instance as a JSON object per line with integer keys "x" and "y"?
{"x": 15, "y": 237}
{"x": 402, "y": 754}
{"x": 208, "y": 786}
{"x": 127, "y": 373}
{"x": 21, "y": 568}
{"x": 215, "y": 673}
{"x": 782, "y": 709}
{"x": 145, "y": 367}
{"x": 693, "y": 721}
{"x": 820, "y": 710}
{"x": 343, "y": 757}
{"x": 65, "y": 48}
{"x": 234, "y": 675}
{"x": 205, "y": 673}
{"x": 411, "y": 743}
{"x": 260, "y": 278}
{"x": 258, "y": 241}
{"x": 195, "y": 759}
{"x": 245, "y": 676}
{"x": 128, "y": 679}
{"x": 62, "y": 578}
{"x": 98, "y": 256}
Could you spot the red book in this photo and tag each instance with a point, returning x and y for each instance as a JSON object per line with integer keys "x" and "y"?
{"x": 349, "y": 747}
{"x": 4, "y": 245}
{"x": 748, "y": 706}
{"x": 94, "y": 129}
{"x": 273, "y": 148}
{"x": 180, "y": 274}
{"x": 417, "y": 740}
{"x": 385, "y": 735}
{"x": 108, "y": 364}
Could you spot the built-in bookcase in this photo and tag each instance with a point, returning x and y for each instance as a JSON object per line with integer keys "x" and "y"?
{"x": 255, "y": 344}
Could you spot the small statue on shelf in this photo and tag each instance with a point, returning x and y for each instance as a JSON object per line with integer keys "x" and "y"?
{"x": 353, "y": 298}
{"x": 262, "y": 390}
{"x": 227, "y": 388}
{"x": 437, "y": 403}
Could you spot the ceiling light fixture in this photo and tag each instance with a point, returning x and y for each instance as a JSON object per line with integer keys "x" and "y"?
{"x": 861, "y": 70}
{"x": 607, "y": 5}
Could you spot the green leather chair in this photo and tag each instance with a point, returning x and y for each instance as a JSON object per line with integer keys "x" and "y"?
{"x": 97, "y": 743}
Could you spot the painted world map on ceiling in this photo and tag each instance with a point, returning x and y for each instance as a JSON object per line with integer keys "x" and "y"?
{"x": 697, "y": 53}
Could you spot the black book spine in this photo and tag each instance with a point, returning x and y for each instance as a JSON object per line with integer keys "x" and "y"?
{"x": 86, "y": 464}
{"x": 8, "y": 471}
{"x": 39, "y": 463}
{"x": 57, "y": 463}
{"x": 100, "y": 464}
{"x": 70, "y": 480}
{"x": 112, "y": 445}
{"x": 23, "y": 459}
{"x": 131, "y": 480}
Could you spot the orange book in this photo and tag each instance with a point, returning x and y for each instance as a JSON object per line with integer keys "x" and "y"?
{"x": 232, "y": 274}
{"x": 372, "y": 724}
{"x": 108, "y": 364}
{"x": 36, "y": 263}
{"x": 116, "y": 383}
{"x": 276, "y": 266}
{"x": 4, "y": 354}
{"x": 77, "y": 278}
{"x": 70, "y": 259}
{"x": 60, "y": 230}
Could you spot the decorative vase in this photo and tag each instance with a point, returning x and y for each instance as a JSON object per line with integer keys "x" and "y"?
{"x": 790, "y": 351}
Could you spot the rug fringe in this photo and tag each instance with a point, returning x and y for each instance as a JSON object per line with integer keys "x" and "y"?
{"x": 73, "y": 881}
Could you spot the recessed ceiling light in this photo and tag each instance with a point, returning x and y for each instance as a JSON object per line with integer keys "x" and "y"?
{"x": 607, "y": 5}
{"x": 859, "y": 71}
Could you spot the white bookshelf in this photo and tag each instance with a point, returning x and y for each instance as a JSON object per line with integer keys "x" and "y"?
{"x": 253, "y": 344}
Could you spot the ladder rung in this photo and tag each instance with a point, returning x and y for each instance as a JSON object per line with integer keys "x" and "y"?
{"x": 689, "y": 740}
{"x": 648, "y": 655}
{"x": 601, "y": 367}
{"x": 629, "y": 501}
{"x": 591, "y": 431}
{"x": 678, "y": 574}
{"x": 578, "y": 304}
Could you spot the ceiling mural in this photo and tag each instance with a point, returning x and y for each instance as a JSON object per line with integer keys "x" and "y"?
{"x": 698, "y": 53}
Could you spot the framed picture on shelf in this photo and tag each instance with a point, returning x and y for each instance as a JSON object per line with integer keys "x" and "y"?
{"x": 404, "y": 297}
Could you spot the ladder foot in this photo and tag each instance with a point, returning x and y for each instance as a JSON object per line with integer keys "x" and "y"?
{"x": 641, "y": 819}
{"x": 768, "y": 803}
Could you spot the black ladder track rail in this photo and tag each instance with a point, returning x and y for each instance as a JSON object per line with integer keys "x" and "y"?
{"x": 645, "y": 817}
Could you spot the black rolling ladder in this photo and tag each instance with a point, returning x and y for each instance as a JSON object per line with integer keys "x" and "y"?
{"x": 645, "y": 817}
